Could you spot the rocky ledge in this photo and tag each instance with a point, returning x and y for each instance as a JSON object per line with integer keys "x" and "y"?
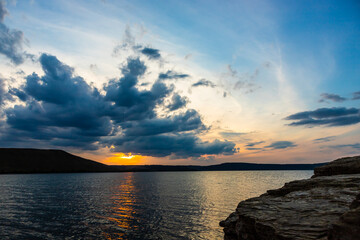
{"x": 327, "y": 206}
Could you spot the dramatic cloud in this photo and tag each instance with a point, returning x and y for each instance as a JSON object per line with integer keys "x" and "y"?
{"x": 172, "y": 75}
{"x": 177, "y": 102}
{"x": 332, "y": 97}
{"x": 61, "y": 109}
{"x": 132, "y": 103}
{"x": 18, "y": 93}
{"x": 11, "y": 40}
{"x": 151, "y": 53}
{"x": 180, "y": 146}
{"x": 326, "y": 116}
{"x": 188, "y": 121}
{"x": 324, "y": 139}
{"x": 356, "y": 96}
{"x": 281, "y": 145}
{"x": 204, "y": 82}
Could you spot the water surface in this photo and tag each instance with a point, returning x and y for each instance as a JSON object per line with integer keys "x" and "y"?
{"x": 148, "y": 205}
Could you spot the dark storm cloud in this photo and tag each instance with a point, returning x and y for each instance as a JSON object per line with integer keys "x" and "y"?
{"x": 177, "y": 102}
{"x": 356, "y": 96}
{"x": 331, "y": 97}
{"x": 205, "y": 83}
{"x": 11, "y": 40}
{"x": 178, "y": 145}
{"x": 18, "y": 93}
{"x": 132, "y": 103}
{"x": 61, "y": 109}
{"x": 172, "y": 75}
{"x": 326, "y": 116}
{"x": 151, "y": 53}
{"x": 281, "y": 145}
{"x": 188, "y": 121}
{"x": 324, "y": 139}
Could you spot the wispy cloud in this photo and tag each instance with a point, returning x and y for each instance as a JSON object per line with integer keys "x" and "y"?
{"x": 281, "y": 145}
{"x": 251, "y": 144}
{"x": 171, "y": 75}
{"x": 324, "y": 139}
{"x": 326, "y": 116}
{"x": 12, "y": 40}
{"x": 331, "y": 97}
{"x": 356, "y": 96}
{"x": 231, "y": 134}
{"x": 204, "y": 82}
{"x": 354, "y": 146}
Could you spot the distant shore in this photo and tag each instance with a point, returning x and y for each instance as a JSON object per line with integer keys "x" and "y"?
{"x": 22, "y": 160}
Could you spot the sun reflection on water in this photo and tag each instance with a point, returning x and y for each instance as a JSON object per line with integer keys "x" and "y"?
{"x": 123, "y": 209}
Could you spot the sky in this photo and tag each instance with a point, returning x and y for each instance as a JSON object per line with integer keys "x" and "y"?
{"x": 182, "y": 82}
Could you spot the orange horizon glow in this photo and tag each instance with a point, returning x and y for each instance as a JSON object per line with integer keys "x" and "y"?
{"x": 124, "y": 159}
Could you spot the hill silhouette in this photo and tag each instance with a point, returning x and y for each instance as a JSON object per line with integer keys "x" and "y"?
{"x": 22, "y": 160}
{"x": 18, "y": 160}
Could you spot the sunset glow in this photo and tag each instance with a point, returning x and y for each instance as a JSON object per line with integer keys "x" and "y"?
{"x": 124, "y": 159}
{"x": 250, "y": 81}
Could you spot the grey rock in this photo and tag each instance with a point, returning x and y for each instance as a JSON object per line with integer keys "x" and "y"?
{"x": 316, "y": 208}
{"x": 347, "y": 165}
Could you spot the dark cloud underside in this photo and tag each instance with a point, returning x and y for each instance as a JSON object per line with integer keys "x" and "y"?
{"x": 177, "y": 102}
{"x": 61, "y": 109}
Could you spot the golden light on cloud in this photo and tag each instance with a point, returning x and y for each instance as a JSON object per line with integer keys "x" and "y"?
{"x": 124, "y": 159}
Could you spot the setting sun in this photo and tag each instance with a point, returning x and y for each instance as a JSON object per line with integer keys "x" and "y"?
{"x": 124, "y": 159}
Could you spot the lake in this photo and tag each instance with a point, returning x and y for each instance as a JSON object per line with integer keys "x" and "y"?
{"x": 142, "y": 205}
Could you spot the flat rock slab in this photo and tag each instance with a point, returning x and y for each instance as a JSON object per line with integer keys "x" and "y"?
{"x": 303, "y": 209}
